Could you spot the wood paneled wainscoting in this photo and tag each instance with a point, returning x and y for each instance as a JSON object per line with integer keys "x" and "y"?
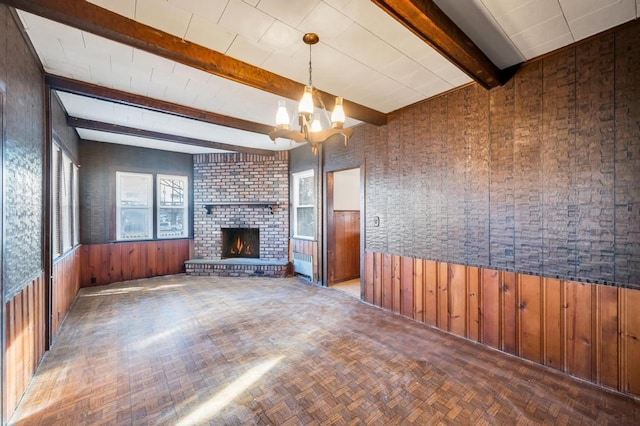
{"x": 114, "y": 262}
{"x": 589, "y": 331}
{"x": 65, "y": 286}
{"x": 25, "y": 339}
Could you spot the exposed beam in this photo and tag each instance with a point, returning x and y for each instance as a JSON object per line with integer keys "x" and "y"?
{"x": 112, "y": 95}
{"x": 426, "y": 20}
{"x": 82, "y": 123}
{"x": 91, "y": 18}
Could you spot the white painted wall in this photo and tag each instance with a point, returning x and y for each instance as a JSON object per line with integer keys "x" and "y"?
{"x": 346, "y": 190}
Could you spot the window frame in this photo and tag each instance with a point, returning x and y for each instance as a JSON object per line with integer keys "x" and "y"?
{"x": 185, "y": 206}
{"x": 66, "y": 203}
{"x": 149, "y": 207}
{"x": 65, "y": 199}
{"x": 297, "y": 177}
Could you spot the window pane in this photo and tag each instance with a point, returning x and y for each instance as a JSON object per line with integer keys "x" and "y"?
{"x": 172, "y": 206}
{"x": 304, "y": 222}
{"x": 65, "y": 192}
{"x": 305, "y": 191}
{"x": 171, "y": 223}
{"x": 56, "y": 163}
{"x": 134, "y": 223}
{"x": 76, "y": 207}
{"x": 171, "y": 192}
{"x": 134, "y": 191}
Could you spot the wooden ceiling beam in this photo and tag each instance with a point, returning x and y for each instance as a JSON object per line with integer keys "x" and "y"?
{"x": 91, "y": 18}
{"x": 427, "y": 21}
{"x": 82, "y": 123}
{"x": 124, "y": 98}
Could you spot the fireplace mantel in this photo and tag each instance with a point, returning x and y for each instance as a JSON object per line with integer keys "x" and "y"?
{"x": 268, "y": 204}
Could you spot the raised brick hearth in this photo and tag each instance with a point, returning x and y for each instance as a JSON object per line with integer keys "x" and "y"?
{"x": 237, "y": 267}
{"x": 240, "y": 191}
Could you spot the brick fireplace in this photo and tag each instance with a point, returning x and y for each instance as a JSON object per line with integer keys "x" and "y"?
{"x": 234, "y": 193}
{"x": 241, "y": 243}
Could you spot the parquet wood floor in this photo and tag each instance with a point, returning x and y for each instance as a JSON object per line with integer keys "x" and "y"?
{"x": 186, "y": 350}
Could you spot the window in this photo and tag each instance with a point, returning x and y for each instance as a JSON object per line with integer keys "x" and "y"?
{"x": 65, "y": 217}
{"x": 65, "y": 205}
{"x": 303, "y": 205}
{"x": 76, "y": 205}
{"x": 56, "y": 164}
{"x": 134, "y": 206}
{"x": 172, "y": 206}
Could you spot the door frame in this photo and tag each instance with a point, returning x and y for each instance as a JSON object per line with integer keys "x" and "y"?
{"x": 328, "y": 225}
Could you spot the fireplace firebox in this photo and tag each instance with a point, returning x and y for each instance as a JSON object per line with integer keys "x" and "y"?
{"x": 240, "y": 242}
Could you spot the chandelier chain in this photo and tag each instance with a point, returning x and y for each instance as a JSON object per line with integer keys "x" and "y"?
{"x": 323, "y": 108}
{"x": 310, "y": 81}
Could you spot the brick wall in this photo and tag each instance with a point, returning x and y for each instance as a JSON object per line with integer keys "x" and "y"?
{"x": 234, "y": 178}
{"x": 539, "y": 176}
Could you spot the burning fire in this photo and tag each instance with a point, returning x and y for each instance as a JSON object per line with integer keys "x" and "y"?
{"x": 240, "y": 247}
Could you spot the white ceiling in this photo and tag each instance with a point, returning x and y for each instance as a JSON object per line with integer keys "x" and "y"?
{"x": 363, "y": 55}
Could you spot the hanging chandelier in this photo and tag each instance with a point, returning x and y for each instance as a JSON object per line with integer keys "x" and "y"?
{"x": 310, "y": 128}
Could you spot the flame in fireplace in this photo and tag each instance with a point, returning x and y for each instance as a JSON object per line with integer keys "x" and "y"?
{"x": 240, "y": 247}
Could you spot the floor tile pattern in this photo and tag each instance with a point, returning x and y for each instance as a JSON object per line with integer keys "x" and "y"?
{"x": 225, "y": 351}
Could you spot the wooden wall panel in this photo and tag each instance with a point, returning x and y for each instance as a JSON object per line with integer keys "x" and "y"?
{"x": 530, "y": 317}
{"x": 443, "y": 298}
{"x": 490, "y": 308}
{"x": 509, "y": 320}
{"x": 631, "y": 335}
{"x": 418, "y": 290}
{"x": 368, "y": 277}
{"x": 473, "y": 304}
{"x": 395, "y": 283}
{"x": 25, "y": 339}
{"x": 457, "y": 303}
{"x": 387, "y": 285}
{"x": 430, "y": 273}
{"x": 579, "y": 329}
{"x": 406, "y": 287}
{"x": 65, "y": 286}
{"x": 607, "y": 342}
{"x": 586, "y": 330}
{"x": 377, "y": 279}
{"x": 553, "y": 305}
{"x": 107, "y": 263}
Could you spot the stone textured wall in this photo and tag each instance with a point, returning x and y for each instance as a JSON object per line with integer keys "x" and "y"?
{"x": 99, "y": 164}
{"x": 220, "y": 178}
{"x": 540, "y": 176}
{"x": 22, "y": 184}
{"x": 65, "y": 135}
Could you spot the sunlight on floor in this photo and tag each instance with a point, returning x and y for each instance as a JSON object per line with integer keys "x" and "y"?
{"x": 220, "y": 400}
{"x": 159, "y": 336}
{"x": 351, "y": 287}
{"x": 124, "y": 290}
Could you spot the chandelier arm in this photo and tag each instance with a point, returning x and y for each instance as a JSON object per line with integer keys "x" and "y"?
{"x": 305, "y": 114}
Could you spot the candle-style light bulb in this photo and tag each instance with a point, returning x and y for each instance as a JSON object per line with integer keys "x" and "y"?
{"x": 315, "y": 124}
{"x": 282, "y": 116}
{"x": 306, "y": 103}
{"x": 337, "y": 116}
